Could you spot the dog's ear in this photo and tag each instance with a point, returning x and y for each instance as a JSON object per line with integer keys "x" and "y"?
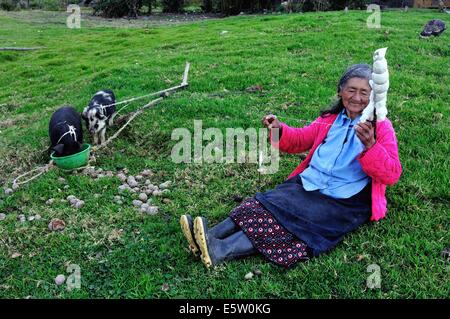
{"x": 84, "y": 113}
{"x": 58, "y": 149}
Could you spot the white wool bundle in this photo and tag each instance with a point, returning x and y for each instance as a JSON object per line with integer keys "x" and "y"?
{"x": 380, "y": 86}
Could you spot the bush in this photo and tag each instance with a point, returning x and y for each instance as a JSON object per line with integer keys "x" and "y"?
{"x": 207, "y": 6}
{"x": 111, "y": 8}
{"x": 51, "y": 5}
{"x": 316, "y": 5}
{"x": 294, "y": 7}
{"x": 8, "y": 5}
{"x": 172, "y": 5}
{"x": 359, "y": 4}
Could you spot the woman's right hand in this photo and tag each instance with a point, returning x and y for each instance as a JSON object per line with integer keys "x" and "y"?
{"x": 270, "y": 121}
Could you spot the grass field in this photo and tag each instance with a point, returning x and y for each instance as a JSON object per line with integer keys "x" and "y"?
{"x": 297, "y": 59}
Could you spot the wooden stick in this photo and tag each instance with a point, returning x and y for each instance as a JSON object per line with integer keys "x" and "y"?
{"x": 152, "y": 103}
{"x": 20, "y": 49}
{"x": 163, "y": 94}
{"x": 185, "y": 75}
{"x": 160, "y": 93}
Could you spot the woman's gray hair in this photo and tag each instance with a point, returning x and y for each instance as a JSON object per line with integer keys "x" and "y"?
{"x": 362, "y": 71}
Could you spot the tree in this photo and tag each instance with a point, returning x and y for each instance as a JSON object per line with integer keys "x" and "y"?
{"x": 172, "y": 5}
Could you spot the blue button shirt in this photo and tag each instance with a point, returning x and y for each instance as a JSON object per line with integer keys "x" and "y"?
{"x": 334, "y": 169}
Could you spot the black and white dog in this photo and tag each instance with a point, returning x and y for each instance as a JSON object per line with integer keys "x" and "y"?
{"x": 100, "y": 113}
{"x": 65, "y": 131}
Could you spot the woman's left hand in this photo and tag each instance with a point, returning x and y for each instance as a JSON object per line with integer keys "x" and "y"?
{"x": 365, "y": 132}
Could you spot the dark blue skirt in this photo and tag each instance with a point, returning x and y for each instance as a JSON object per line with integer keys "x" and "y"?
{"x": 317, "y": 219}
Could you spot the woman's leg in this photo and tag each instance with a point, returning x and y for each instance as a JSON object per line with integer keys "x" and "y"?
{"x": 221, "y": 231}
{"x": 214, "y": 250}
{"x": 224, "y": 229}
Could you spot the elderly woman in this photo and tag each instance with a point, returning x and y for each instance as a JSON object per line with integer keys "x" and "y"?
{"x": 338, "y": 187}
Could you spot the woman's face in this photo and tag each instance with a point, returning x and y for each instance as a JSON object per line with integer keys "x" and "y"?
{"x": 355, "y": 96}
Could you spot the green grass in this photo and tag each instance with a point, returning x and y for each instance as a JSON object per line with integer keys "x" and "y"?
{"x": 298, "y": 60}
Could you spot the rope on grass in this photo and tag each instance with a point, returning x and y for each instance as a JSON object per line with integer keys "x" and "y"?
{"x": 41, "y": 170}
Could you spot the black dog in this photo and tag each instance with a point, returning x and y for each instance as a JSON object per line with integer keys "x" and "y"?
{"x": 100, "y": 113}
{"x": 65, "y": 131}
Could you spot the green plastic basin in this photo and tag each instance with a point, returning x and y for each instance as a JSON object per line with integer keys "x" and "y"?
{"x": 75, "y": 160}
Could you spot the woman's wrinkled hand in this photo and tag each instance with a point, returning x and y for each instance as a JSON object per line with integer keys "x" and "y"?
{"x": 365, "y": 132}
{"x": 270, "y": 121}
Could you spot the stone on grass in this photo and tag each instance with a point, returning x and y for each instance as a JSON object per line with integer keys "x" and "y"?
{"x": 157, "y": 193}
{"x": 50, "y": 201}
{"x": 8, "y": 191}
{"x": 31, "y": 218}
{"x": 144, "y": 208}
{"x": 60, "y": 279}
{"x": 16, "y": 255}
{"x": 88, "y": 170}
{"x": 166, "y": 201}
{"x": 152, "y": 210}
{"x": 165, "y": 185}
{"x": 139, "y": 177}
{"x": 248, "y": 276}
{"x": 56, "y": 225}
{"x": 143, "y": 197}
{"x": 146, "y": 172}
{"x": 2, "y": 216}
{"x": 137, "y": 203}
{"x": 62, "y": 180}
{"x": 132, "y": 181}
{"x": 78, "y": 204}
{"x": 37, "y": 217}
{"x": 257, "y": 272}
{"x": 123, "y": 188}
{"x": 21, "y": 218}
{"x": 122, "y": 177}
{"x": 165, "y": 287}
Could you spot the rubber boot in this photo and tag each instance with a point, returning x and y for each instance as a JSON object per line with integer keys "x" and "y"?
{"x": 187, "y": 226}
{"x": 215, "y": 251}
{"x": 224, "y": 229}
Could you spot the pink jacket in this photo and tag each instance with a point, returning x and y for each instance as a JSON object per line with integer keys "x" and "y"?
{"x": 380, "y": 162}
